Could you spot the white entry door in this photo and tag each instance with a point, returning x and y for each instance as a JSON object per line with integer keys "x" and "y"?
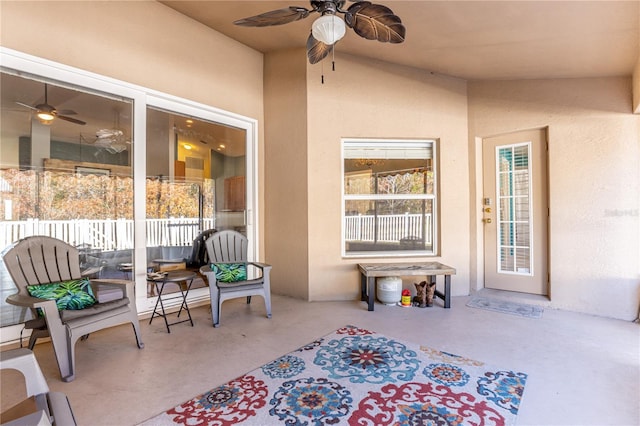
{"x": 515, "y": 212}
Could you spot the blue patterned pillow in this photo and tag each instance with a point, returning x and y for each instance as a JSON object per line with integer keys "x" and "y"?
{"x": 230, "y": 272}
{"x": 73, "y": 295}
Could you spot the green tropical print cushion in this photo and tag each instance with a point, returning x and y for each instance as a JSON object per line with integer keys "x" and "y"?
{"x": 72, "y": 295}
{"x": 230, "y": 272}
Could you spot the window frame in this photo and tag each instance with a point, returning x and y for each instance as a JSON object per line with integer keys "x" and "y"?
{"x": 379, "y": 143}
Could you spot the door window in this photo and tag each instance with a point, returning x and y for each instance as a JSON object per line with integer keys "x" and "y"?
{"x": 514, "y": 214}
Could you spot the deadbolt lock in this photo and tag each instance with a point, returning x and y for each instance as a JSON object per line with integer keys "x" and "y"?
{"x": 487, "y": 210}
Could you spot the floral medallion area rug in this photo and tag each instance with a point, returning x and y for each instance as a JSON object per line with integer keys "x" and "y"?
{"x": 355, "y": 376}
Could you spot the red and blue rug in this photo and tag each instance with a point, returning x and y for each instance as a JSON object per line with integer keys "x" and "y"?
{"x": 359, "y": 377}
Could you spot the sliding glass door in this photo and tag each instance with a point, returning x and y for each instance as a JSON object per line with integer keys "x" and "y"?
{"x": 127, "y": 174}
{"x": 196, "y": 181}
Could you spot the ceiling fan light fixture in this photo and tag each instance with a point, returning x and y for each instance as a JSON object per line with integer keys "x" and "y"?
{"x": 328, "y": 29}
{"x": 45, "y": 118}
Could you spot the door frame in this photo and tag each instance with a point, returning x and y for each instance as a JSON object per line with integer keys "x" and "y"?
{"x": 477, "y": 272}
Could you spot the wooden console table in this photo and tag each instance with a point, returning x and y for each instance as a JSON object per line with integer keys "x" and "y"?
{"x": 370, "y": 271}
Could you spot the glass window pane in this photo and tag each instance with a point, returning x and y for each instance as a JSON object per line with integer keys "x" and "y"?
{"x": 196, "y": 181}
{"x": 506, "y": 208}
{"x": 506, "y": 236}
{"x": 521, "y": 157}
{"x": 522, "y": 234}
{"x": 523, "y": 260}
{"x": 379, "y": 228}
{"x": 390, "y": 196}
{"x": 505, "y": 160}
{"x": 68, "y": 177}
{"x": 506, "y": 259}
{"x": 514, "y": 211}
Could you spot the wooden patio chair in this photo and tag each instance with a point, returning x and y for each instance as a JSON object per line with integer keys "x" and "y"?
{"x": 36, "y": 261}
{"x": 230, "y": 275}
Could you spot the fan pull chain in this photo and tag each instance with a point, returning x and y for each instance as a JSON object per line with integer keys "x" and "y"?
{"x": 333, "y": 63}
{"x": 333, "y": 58}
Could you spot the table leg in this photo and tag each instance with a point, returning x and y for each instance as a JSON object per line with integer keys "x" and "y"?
{"x": 372, "y": 290}
{"x": 164, "y": 314}
{"x": 155, "y": 308}
{"x": 184, "y": 305}
{"x": 363, "y": 287}
{"x": 447, "y": 291}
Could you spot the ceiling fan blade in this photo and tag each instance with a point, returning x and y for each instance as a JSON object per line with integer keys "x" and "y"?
{"x": 70, "y": 119}
{"x": 275, "y": 17}
{"x": 66, "y": 112}
{"x": 375, "y": 22}
{"x": 317, "y": 50}
{"x": 27, "y": 106}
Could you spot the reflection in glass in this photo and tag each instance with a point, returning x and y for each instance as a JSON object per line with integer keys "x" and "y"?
{"x": 67, "y": 176}
{"x": 195, "y": 182}
{"x": 389, "y": 192}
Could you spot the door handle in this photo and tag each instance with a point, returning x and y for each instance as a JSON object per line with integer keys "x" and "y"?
{"x": 487, "y": 220}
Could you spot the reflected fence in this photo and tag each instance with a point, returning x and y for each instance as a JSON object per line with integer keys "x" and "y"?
{"x": 387, "y": 228}
{"x": 107, "y": 235}
{"x": 118, "y": 234}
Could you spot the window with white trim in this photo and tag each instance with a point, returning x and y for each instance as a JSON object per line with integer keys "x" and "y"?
{"x": 389, "y": 197}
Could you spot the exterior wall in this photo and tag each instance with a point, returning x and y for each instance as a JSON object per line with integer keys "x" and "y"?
{"x": 636, "y": 87}
{"x": 140, "y": 42}
{"x": 594, "y": 182}
{"x": 363, "y": 98}
{"x": 144, "y": 43}
{"x": 286, "y": 197}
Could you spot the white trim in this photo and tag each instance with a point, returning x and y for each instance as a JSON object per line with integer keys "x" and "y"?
{"x": 142, "y": 97}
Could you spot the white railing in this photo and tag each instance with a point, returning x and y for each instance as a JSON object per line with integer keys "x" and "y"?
{"x": 111, "y": 235}
{"x": 390, "y": 228}
{"x": 106, "y": 235}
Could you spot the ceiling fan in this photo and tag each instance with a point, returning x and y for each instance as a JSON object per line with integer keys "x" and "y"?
{"x": 113, "y": 140}
{"x": 368, "y": 20}
{"x": 46, "y": 113}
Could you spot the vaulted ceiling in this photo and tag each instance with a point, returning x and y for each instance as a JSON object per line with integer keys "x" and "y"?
{"x": 474, "y": 40}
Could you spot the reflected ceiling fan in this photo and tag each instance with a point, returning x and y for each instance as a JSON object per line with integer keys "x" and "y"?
{"x": 46, "y": 113}
{"x": 113, "y": 140}
{"x": 368, "y": 20}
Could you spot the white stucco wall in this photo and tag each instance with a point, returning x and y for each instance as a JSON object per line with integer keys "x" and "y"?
{"x": 594, "y": 182}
